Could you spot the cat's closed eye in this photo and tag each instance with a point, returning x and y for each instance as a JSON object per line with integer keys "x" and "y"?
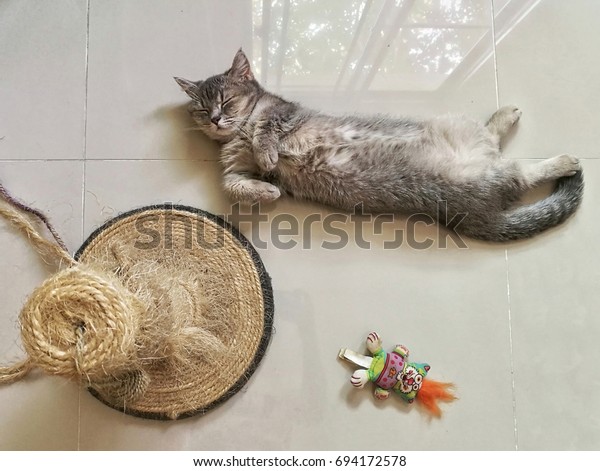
{"x": 197, "y": 111}
{"x": 201, "y": 114}
{"x": 228, "y": 104}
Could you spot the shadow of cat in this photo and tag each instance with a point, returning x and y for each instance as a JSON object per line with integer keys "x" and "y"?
{"x": 184, "y": 140}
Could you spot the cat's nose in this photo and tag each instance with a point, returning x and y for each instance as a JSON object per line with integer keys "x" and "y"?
{"x": 215, "y": 120}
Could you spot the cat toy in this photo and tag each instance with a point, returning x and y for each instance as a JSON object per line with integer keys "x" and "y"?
{"x": 163, "y": 313}
{"x": 391, "y": 371}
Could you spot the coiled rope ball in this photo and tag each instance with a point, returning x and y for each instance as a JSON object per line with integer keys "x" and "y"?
{"x": 79, "y": 322}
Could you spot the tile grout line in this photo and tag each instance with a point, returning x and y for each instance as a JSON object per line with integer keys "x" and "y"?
{"x": 79, "y": 417}
{"x": 510, "y": 336}
{"x": 85, "y": 116}
{"x": 510, "y": 342}
{"x": 162, "y": 160}
{"x": 84, "y": 167}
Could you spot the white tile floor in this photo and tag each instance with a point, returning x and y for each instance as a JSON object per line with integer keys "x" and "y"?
{"x": 92, "y": 124}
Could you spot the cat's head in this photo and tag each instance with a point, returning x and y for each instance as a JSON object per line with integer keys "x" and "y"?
{"x": 222, "y": 102}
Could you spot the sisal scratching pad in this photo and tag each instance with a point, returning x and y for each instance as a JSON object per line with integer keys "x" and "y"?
{"x": 211, "y": 282}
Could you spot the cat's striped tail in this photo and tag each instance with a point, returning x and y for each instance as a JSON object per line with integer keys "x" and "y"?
{"x": 526, "y": 221}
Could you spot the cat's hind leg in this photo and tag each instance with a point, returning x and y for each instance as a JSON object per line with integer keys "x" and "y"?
{"x": 503, "y": 120}
{"x": 550, "y": 170}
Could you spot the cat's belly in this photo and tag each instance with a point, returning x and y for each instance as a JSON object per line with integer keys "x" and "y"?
{"x": 345, "y": 185}
{"x": 387, "y": 174}
{"x": 433, "y": 153}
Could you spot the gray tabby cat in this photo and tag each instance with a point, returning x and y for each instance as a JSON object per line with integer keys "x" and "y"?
{"x": 443, "y": 167}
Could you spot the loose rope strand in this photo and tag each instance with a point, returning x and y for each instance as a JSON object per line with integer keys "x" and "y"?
{"x": 10, "y": 374}
{"x": 36, "y": 212}
{"x": 58, "y": 250}
{"x": 42, "y": 245}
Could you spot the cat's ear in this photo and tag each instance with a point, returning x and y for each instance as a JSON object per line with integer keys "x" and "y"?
{"x": 191, "y": 88}
{"x": 240, "y": 68}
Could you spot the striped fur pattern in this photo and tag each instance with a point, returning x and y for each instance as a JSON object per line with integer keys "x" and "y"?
{"x": 449, "y": 168}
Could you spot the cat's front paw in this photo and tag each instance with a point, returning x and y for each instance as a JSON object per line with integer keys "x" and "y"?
{"x": 266, "y": 192}
{"x": 250, "y": 190}
{"x": 267, "y": 160}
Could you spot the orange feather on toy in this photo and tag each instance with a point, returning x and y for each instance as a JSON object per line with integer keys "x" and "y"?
{"x": 433, "y": 391}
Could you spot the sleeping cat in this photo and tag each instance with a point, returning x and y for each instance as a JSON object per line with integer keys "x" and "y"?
{"x": 444, "y": 167}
